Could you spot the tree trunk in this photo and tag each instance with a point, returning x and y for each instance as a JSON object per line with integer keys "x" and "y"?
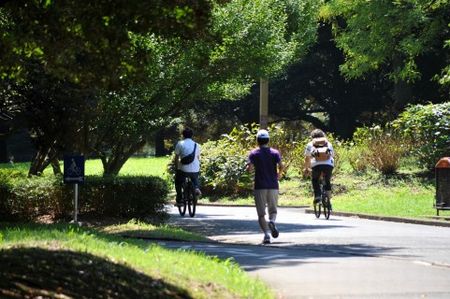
{"x": 114, "y": 164}
{"x": 160, "y": 149}
{"x": 37, "y": 162}
{"x": 3, "y": 151}
{"x": 43, "y": 158}
{"x": 56, "y": 167}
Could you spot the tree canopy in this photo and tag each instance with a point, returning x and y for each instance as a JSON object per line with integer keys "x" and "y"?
{"x": 391, "y": 35}
{"x": 89, "y": 43}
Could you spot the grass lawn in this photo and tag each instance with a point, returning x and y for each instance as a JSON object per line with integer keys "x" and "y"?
{"x": 408, "y": 194}
{"x": 64, "y": 261}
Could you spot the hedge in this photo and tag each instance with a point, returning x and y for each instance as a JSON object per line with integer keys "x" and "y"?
{"x": 128, "y": 196}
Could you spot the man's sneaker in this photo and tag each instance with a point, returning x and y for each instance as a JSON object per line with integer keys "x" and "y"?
{"x": 273, "y": 229}
{"x": 266, "y": 239}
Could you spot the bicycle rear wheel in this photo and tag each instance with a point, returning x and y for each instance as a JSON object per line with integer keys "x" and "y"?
{"x": 192, "y": 201}
{"x": 182, "y": 206}
{"x": 326, "y": 207}
{"x": 317, "y": 209}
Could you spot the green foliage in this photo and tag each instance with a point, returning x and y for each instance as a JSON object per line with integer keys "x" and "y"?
{"x": 381, "y": 148}
{"x": 28, "y": 198}
{"x": 223, "y": 161}
{"x": 127, "y": 196}
{"x": 428, "y": 128}
{"x": 90, "y": 44}
{"x": 388, "y": 34}
{"x": 260, "y": 38}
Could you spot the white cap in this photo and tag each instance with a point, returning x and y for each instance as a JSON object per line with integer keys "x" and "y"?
{"x": 262, "y": 134}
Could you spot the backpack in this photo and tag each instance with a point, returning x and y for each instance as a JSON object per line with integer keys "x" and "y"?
{"x": 320, "y": 151}
{"x": 189, "y": 158}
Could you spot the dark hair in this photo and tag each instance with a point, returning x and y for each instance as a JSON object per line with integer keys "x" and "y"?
{"x": 187, "y": 133}
{"x": 262, "y": 141}
{"x": 317, "y": 133}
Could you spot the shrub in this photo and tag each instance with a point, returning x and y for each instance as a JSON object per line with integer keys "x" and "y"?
{"x": 138, "y": 197}
{"x": 382, "y": 148}
{"x": 127, "y": 196}
{"x": 428, "y": 127}
{"x": 223, "y": 161}
{"x": 357, "y": 156}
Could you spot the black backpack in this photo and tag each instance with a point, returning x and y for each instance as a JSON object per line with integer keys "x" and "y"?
{"x": 189, "y": 158}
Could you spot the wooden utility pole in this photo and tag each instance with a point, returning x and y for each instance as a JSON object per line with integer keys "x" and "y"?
{"x": 263, "y": 103}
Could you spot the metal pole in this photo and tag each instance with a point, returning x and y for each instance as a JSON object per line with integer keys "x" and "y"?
{"x": 263, "y": 103}
{"x": 75, "y": 204}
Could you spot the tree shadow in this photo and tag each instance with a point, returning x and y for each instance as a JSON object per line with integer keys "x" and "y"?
{"x": 40, "y": 273}
{"x": 208, "y": 225}
{"x": 256, "y": 257}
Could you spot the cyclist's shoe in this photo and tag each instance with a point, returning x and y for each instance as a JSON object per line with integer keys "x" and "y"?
{"x": 273, "y": 229}
{"x": 266, "y": 239}
{"x": 317, "y": 199}
{"x": 198, "y": 192}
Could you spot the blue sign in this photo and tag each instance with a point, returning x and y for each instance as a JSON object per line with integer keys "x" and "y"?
{"x": 73, "y": 169}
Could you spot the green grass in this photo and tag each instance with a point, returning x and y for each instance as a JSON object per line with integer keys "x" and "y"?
{"x": 134, "y": 166}
{"x": 138, "y": 229}
{"x": 408, "y": 194}
{"x": 176, "y": 273}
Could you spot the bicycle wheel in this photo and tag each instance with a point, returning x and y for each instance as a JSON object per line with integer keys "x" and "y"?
{"x": 317, "y": 209}
{"x": 182, "y": 207}
{"x": 192, "y": 201}
{"x": 326, "y": 207}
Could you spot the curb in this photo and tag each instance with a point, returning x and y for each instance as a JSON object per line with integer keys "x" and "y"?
{"x": 388, "y": 218}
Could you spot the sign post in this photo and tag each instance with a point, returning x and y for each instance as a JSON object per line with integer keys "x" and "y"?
{"x": 263, "y": 103}
{"x": 74, "y": 174}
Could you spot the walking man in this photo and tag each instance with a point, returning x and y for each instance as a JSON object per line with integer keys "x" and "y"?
{"x": 267, "y": 164}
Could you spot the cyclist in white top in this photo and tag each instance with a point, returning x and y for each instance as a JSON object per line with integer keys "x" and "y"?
{"x": 319, "y": 158}
{"x": 183, "y": 149}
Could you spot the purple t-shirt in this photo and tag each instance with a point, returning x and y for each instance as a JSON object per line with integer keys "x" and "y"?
{"x": 265, "y": 160}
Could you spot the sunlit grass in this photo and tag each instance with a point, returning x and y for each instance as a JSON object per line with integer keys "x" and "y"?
{"x": 139, "y": 229}
{"x": 200, "y": 275}
{"x": 156, "y": 166}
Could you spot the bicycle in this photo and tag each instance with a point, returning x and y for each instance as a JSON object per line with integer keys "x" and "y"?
{"x": 324, "y": 202}
{"x": 188, "y": 198}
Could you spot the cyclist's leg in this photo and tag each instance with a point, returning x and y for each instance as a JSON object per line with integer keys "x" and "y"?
{"x": 315, "y": 175}
{"x": 179, "y": 177}
{"x": 195, "y": 182}
{"x": 328, "y": 172}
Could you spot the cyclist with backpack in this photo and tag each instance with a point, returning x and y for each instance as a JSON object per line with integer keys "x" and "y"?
{"x": 319, "y": 159}
{"x": 187, "y": 162}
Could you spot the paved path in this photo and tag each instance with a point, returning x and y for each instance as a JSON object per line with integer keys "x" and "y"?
{"x": 338, "y": 258}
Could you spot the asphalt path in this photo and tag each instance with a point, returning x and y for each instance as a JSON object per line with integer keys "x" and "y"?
{"x": 342, "y": 257}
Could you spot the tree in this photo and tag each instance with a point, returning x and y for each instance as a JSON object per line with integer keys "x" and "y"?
{"x": 52, "y": 110}
{"x": 391, "y": 35}
{"x": 238, "y": 48}
{"x": 89, "y": 44}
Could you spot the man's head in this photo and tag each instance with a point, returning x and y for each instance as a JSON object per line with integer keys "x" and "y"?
{"x": 262, "y": 137}
{"x": 317, "y": 133}
{"x": 187, "y": 133}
